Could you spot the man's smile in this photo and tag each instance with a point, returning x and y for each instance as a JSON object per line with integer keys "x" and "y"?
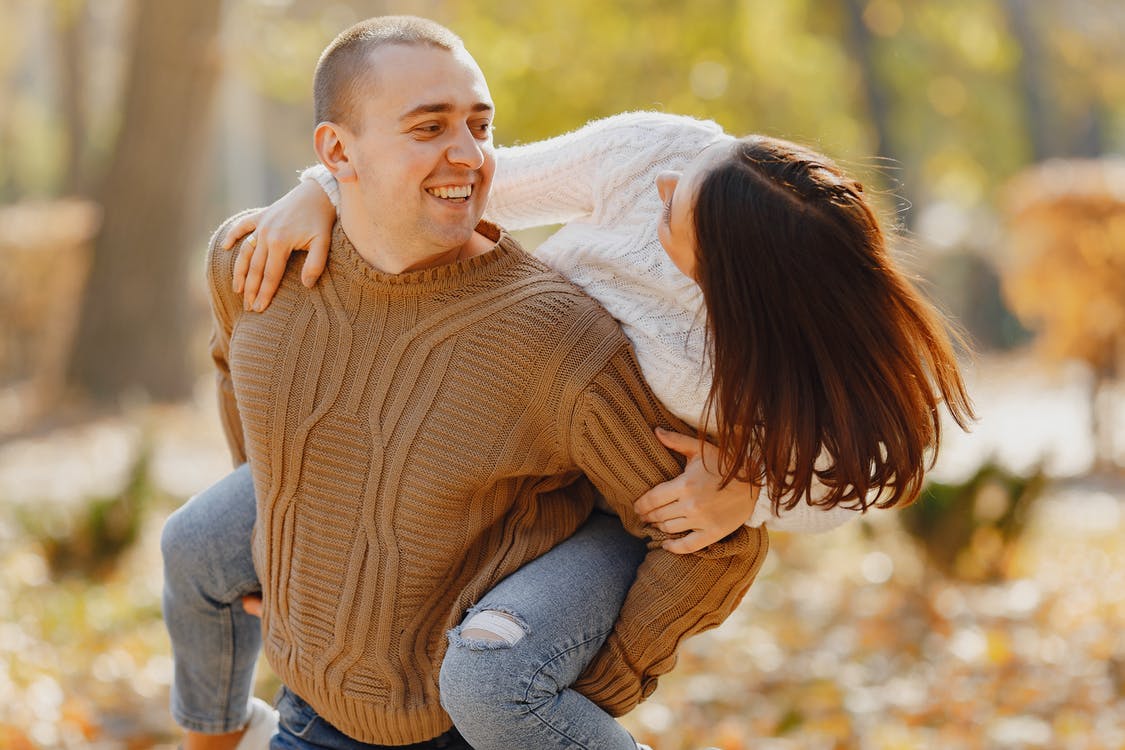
{"x": 457, "y": 193}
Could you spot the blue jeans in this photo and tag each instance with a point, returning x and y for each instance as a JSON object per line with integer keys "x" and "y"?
{"x": 511, "y": 693}
{"x": 300, "y": 727}
{"x": 208, "y": 568}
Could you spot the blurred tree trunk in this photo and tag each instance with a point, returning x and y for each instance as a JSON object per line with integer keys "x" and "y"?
{"x": 69, "y": 17}
{"x": 1049, "y": 137}
{"x": 877, "y": 100}
{"x": 134, "y": 325}
{"x": 1034, "y": 88}
{"x": 1089, "y": 136}
{"x": 8, "y": 187}
{"x": 8, "y": 93}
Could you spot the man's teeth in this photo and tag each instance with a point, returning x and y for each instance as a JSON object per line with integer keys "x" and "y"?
{"x": 460, "y": 191}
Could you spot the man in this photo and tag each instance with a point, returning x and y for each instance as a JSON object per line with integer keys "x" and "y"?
{"x": 419, "y": 423}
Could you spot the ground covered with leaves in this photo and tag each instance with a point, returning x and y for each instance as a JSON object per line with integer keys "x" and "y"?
{"x": 850, "y": 640}
{"x": 847, "y": 641}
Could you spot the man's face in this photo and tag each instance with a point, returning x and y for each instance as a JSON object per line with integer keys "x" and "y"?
{"x": 423, "y": 152}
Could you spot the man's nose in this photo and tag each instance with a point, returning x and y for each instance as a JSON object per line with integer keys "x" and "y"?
{"x": 466, "y": 150}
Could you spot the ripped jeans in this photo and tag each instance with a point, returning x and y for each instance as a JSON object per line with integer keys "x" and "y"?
{"x": 552, "y": 616}
{"x": 508, "y": 689}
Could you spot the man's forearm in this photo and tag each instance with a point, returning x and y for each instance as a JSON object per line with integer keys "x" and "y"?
{"x": 674, "y": 597}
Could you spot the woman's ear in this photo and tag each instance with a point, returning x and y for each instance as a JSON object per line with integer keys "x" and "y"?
{"x": 331, "y": 144}
{"x": 666, "y": 185}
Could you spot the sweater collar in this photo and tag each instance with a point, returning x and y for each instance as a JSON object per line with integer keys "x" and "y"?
{"x": 343, "y": 257}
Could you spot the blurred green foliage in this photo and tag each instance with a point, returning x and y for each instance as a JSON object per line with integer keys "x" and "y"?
{"x": 969, "y": 529}
{"x": 951, "y": 71}
{"x": 87, "y": 539}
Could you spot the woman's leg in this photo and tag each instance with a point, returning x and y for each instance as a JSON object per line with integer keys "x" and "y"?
{"x": 507, "y": 674}
{"x": 208, "y": 567}
{"x": 301, "y": 728}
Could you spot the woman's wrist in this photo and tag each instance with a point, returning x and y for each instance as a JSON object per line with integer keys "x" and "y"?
{"x": 321, "y": 176}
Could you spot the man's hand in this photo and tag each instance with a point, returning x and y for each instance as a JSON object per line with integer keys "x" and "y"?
{"x": 301, "y": 219}
{"x": 252, "y": 603}
{"x": 693, "y": 501}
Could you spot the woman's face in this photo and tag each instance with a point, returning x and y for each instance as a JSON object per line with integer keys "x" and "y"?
{"x": 678, "y": 190}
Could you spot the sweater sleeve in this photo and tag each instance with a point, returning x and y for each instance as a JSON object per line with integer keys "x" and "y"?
{"x": 578, "y": 175}
{"x": 553, "y": 181}
{"x": 802, "y": 518}
{"x": 319, "y": 174}
{"x": 673, "y": 596}
{"x": 225, "y": 308}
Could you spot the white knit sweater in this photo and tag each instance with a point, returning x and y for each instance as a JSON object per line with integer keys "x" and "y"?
{"x": 600, "y": 182}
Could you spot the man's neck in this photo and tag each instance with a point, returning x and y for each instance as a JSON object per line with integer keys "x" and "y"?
{"x": 390, "y": 257}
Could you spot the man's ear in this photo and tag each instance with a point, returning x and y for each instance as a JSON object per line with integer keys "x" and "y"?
{"x": 331, "y": 144}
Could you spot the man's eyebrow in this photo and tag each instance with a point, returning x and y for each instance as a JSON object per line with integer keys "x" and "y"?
{"x": 443, "y": 108}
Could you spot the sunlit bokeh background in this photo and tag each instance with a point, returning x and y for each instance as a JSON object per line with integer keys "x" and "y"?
{"x": 991, "y": 614}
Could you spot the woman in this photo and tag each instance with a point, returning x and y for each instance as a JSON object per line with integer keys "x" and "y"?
{"x": 764, "y": 308}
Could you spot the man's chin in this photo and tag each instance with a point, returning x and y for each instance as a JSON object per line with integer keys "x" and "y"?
{"x": 452, "y": 236}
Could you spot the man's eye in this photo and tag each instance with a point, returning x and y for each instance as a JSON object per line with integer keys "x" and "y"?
{"x": 429, "y": 129}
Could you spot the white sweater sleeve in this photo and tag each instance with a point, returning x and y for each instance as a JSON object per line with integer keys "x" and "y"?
{"x": 803, "y": 518}
{"x": 577, "y": 176}
{"x": 319, "y": 174}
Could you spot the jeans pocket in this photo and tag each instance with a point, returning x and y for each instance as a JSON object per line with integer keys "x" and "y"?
{"x": 294, "y": 715}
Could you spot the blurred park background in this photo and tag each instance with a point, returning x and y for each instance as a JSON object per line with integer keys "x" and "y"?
{"x": 991, "y": 614}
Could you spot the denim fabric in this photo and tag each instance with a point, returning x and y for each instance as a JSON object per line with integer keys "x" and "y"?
{"x": 566, "y": 602}
{"x": 499, "y": 695}
{"x": 300, "y": 728}
{"x": 207, "y": 569}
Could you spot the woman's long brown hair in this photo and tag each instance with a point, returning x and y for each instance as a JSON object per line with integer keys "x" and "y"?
{"x": 828, "y": 363}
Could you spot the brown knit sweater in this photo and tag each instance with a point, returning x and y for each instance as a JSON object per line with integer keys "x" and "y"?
{"x": 414, "y": 439}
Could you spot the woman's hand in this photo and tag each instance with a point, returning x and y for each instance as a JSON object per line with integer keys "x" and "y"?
{"x": 693, "y": 501}
{"x": 301, "y": 219}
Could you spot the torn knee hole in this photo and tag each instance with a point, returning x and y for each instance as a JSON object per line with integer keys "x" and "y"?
{"x": 492, "y": 626}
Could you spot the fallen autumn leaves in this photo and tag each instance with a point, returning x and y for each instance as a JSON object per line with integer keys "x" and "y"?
{"x": 846, "y": 642}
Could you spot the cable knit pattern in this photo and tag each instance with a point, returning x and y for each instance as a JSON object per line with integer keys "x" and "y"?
{"x": 600, "y": 181}
{"x": 416, "y": 438}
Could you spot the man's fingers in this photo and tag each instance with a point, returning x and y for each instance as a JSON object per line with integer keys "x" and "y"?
{"x": 316, "y": 260}
{"x": 689, "y": 543}
{"x": 252, "y": 603}
{"x": 687, "y": 445}
{"x": 240, "y": 229}
{"x": 657, "y": 497}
